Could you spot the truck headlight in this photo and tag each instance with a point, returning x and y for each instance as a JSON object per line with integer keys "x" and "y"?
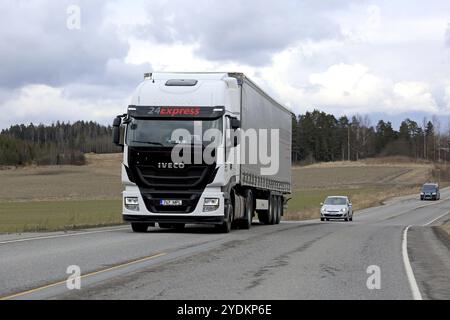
{"x": 211, "y": 204}
{"x": 132, "y": 203}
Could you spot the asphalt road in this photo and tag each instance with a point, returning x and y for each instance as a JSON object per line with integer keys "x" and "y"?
{"x": 293, "y": 260}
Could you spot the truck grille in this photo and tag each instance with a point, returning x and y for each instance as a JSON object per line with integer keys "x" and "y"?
{"x": 145, "y": 172}
{"x": 190, "y": 177}
{"x": 153, "y": 202}
{"x": 156, "y": 184}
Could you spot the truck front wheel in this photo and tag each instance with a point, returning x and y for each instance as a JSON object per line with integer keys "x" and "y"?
{"x": 225, "y": 227}
{"x": 139, "y": 227}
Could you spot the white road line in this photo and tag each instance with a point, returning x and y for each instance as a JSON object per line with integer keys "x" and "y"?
{"x": 61, "y": 235}
{"x": 409, "y": 272}
{"x": 436, "y": 219}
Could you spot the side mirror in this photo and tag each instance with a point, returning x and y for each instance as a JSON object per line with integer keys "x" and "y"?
{"x": 350, "y": 204}
{"x": 235, "y": 123}
{"x": 116, "y": 131}
{"x": 321, "y": 203}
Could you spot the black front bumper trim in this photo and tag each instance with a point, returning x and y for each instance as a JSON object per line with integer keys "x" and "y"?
{"x": 174, "y": 219}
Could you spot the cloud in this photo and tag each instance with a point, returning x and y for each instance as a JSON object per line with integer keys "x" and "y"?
{"x": 49, "y": 72}
{"x": 447, "y": 97}
{"x": 46, "y": 104}
{"x": 249, "y": 32}
{"x": 413, "y": 96}
{"x": 353, "y": 88}
{"x": 340, "y": 56}
{"x": 39, "y": 48}
{"x": 447, "y": 36}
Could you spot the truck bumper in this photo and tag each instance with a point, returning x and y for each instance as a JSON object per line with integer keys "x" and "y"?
{"x": 173, "y": 219}
{"x": 198, "y": 216}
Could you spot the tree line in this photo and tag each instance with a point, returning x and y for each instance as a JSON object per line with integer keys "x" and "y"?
{"x": 56, "y": 144}
{"x": 318, "y": 136}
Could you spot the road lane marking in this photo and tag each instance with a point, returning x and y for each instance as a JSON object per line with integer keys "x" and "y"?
{"x": 20, "y": 294}
{"x": 427, "y": 224}
{"x": 409, "y": 272}
{"x": 433, "y": 203}
{"x": 366, "y": 211}
{"x": 62, "y": 235}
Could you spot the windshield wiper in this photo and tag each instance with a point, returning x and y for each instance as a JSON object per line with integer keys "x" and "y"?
{"x": 149, "y": 142}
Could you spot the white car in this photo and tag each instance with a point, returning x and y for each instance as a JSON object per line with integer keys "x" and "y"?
{"x": 336, "y": 207}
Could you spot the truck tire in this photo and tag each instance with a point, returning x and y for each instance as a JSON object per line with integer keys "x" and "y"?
{"x": 246, "y": 223}
{"x": 281, "y": 207}
{"x": 225, "y": 227}
{"x": 263, "y": 216}
{"x": 279, "y": 204}
{"x": 273, "y": 204}
{"x": 139, "y": 227}
{"x": 266, "y": 216}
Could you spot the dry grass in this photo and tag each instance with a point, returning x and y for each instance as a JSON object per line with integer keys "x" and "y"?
{"x": 58, "y": 215}
{"x": 361, "y": 198}
{"x": 61, "y": 197}
{"x": 100, "y": 179}
{"x": 366, "y": 172}
{"x": 53, "y": 197}
{"x": 446, "y": 227}
{"x": 368, "y": 183}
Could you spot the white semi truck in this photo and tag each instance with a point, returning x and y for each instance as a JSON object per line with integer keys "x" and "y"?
{"x": 174, "y": 173}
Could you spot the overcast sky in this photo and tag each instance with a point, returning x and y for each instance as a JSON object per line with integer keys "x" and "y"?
{"x": 388, "y": 59}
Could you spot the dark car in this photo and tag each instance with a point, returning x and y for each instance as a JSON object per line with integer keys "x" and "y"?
{"x": 430, "y": 191}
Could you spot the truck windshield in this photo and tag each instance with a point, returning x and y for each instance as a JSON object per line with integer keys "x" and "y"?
{"x": 144, "y": 132}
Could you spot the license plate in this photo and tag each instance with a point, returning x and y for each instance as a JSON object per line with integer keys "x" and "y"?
{"x": 171, "y": 203}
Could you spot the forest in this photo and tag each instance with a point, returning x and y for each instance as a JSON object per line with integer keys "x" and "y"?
{"x": 57, "y": 144}
{"x": 321, "y": 137}
{"x": 316, "y": 137}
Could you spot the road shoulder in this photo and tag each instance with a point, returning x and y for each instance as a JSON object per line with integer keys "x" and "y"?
{"x": 429, "y": 252}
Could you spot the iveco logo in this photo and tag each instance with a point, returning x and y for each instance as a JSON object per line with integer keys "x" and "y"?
{"x": 162, "y": 165}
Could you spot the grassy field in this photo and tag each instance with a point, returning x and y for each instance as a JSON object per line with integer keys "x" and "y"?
{"x": 61, "y": 197}
{"x": 367, "y": 183}
{"x": 58, "y": 215}
{"x": 99, "y": 179}
{"x": 68, "y": 197}
{"x": 446, "y": 227}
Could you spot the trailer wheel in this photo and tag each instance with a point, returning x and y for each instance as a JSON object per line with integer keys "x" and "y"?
{"x": 279, "y": 206}
{"x": 273, "y": 204}
{"x": 266, "y": 216}
{"x": 246, "y": 223}
{"x": 139, "y": 227}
